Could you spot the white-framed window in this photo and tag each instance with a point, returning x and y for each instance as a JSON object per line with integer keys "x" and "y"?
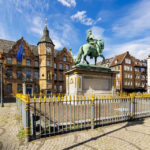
{"x": 19, "y": 74}
{"x": 28, "y": 62}
{"x": 117, "y": 83}
{"x": 36, "y": 88}
{"x": 19, "y": 88}
{"x": 55, "y": 87}
{"x": 36, "y": 75}
{"x": 67, "y": 67}
{"x": 116, "y": 61}
{"x": 60, "y": 66}
{"x": 36, "y": 63}
{"x": 61, "y": 77}
{"x": 130, "y": 68}
{"x": 9, "y": 88}
{"x": 65, "y": 58}
{"x": 127, "y": 68}
{"x": 9, "y": 60}
{"x": 60, "y": 88}
{"x": 128, "y": 83}
{"x": 127, "y": 61}
{"x": 28, "y": 74}
{"x": 55, "y": 65}
{"x": 125, "y": 82}
{"x": 9, "y": 73}
{"x": 55, "y": 76}
{"x": 48, "y": 63}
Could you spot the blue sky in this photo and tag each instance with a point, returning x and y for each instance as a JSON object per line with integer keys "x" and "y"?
{"x": 123, "y": 24}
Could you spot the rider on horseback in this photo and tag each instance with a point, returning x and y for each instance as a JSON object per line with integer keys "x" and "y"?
{"x": 92, "y": 41}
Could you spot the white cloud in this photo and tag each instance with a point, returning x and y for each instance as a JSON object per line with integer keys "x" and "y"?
{"x": 68, "y": 3}
{"x": 57, "y": 43}
{"x": 36, "y": 25}
{"x": 63, "y": 34}
{"x": 136, "y": 22}
{"x": 82, "y": 17}
{"x": 137, "y": 48}
{"x": 3, "y": 32}
{"x": 97, "y": 32}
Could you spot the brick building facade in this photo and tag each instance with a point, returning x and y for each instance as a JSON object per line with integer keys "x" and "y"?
{"x": 132, "y": 73}
{"x": 42, "y": 67}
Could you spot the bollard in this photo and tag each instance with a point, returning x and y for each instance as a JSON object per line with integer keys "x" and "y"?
{"x": 92, "y": 111}
{"x": 27, "y": 109}
{"x": 132, "y": 96}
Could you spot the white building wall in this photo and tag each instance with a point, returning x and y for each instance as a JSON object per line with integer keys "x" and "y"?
{"x": 148, "y": 73}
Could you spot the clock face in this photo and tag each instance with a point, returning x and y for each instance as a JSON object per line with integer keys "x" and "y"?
{"x": 48, "y": 49}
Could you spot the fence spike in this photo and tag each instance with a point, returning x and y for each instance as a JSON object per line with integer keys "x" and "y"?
{"x": 62, "y": 98}
{"x": 49, "y": 99}
{"x": 74, "y": 98}
{"x": 81, "y": 98}
{"x": 107, "y": 97}
{"x": 84, "y": 97}
{"x": 70, "y": 98}
{"x": 44, "y": 99}
{"x": 53, "y": 98}
{"x": 34, "y": 99}
{"x": 58, "y": 97}
{"x": 66, "y": 98}
{"x": 87, "y": 97}
{"x": 92, "y": 97}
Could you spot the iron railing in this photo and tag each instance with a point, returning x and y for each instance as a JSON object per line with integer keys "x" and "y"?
{"x": 46, "y": 115}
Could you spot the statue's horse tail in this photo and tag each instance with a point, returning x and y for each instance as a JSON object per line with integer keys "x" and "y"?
{"x": 79, "y": 56}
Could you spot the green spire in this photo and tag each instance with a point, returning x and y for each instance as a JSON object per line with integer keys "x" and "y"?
{"x": 45, "y": 37}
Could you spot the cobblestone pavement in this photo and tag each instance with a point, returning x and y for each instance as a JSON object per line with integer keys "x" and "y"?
{"x": 123, "y": 136}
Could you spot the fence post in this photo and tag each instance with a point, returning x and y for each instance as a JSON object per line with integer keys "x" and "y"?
{"x": 27, "y": 109}
{"x": 132, "y": 96}
{"x": 33, "y": 125}
{"x": 92, "y": 111}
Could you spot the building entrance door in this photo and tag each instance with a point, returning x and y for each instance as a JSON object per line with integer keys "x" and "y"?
{"x": 28, "y": 91}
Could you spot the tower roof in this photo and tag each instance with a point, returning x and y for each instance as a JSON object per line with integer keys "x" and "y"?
{"x": 45, "y": 38}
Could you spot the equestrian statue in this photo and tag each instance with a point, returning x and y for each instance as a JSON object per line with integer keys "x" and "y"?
{"x": 93, "y": 48}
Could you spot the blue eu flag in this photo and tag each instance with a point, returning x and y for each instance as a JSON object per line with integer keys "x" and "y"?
{"x": 20, "y": 53}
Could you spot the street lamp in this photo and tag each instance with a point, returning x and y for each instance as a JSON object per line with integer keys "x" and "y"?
{"x": 1, "y": 64}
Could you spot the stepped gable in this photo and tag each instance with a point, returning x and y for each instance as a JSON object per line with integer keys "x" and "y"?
{"x": 119, "y": 59}
{"x": 59, "y": 52}
{"x": 6, "y": 46}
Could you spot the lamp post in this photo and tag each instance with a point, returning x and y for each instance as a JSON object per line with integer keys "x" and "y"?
{"x": 1, "y": 65}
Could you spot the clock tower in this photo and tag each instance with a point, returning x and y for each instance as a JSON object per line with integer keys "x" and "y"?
{"x": 46, "y": 62}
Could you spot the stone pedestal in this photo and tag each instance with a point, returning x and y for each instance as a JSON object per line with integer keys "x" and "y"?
{"x": 88, "y": 79}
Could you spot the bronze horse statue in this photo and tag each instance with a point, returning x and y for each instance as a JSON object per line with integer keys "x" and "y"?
{"x": 90, "y": 50}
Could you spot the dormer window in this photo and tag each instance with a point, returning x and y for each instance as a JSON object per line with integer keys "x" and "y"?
{"x": 65, "y": 58}
{"x": 116, "y": 61}
{"x": 128, "y": 61}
